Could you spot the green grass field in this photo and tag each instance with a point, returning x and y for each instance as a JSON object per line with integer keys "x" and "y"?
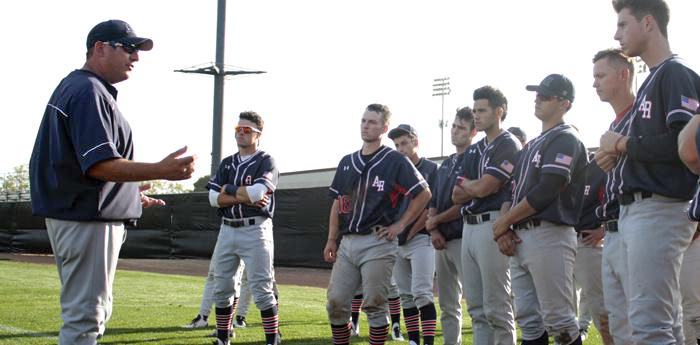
{"x": 149, "y": 308}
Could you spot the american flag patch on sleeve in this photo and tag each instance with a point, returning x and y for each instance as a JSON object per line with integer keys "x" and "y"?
{"x": 563, "y": 159}
{"x": 689, "y": 103}
{"x": 507, "y": 166}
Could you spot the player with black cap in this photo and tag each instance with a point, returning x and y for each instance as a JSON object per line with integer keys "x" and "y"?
{"x": 537, "y": 225}
{"x": 83, "y": 178}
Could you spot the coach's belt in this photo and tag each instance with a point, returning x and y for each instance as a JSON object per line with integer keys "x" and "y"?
{"x": 473, "y": 219}
{"x": 237, "y": 223}
{"x": 610, "y": 225}
{"x": 532, "y": 223}
{"x": 628, "y": 198}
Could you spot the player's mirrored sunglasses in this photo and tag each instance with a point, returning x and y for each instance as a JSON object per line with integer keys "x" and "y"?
{"x": 546, "y": 98}
{"x": 128, "y": 48}
{"x": 247, "y": 130}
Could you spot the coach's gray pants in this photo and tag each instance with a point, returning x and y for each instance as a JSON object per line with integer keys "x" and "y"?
{"x": 366, "y": 260}
{"x": 542, "y": 272}
{"x": 448, "y": 267}
{"x": 254, "y": 245}
{"x": 614, "y": 272}
{"x": 587, "y": 273}
{"x": 86, "y": 256}
{"x": 655, "y": 234}
{"x": 486, "y": 285}
{"x": 414, "y": 272}
{"x": 690, "y": 290}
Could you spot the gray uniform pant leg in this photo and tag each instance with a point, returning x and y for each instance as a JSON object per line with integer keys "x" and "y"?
{"x": 587, "y": 272}
{"x": 208, "y": 293}
{"x": 365, "y": 259}
{"x": 614, "y": 273}
{"x": 655, "y": 232}
{"x": 86, "y": 256}
{"x": 690, "y": 290}
{"x": 414, "y": 272}
{"x": 543, "y": 286}
{"x": 246, "y": 296}
{"x": 487, "y": 286}
{"x": 448, "y": 267}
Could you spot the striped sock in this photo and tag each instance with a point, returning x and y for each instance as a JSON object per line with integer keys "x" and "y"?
{"x": 410, "y": 316}
{"x": 223, "y": 322}
{"x": 356, "y": 305}
{"x": 395, "y": 310}
{"x": 377, "y": 335}
{"x": 235, "y": 304}
{"x": 427, "y": 322}
{"x": 270, "y": 322}
{"x": 341, "y": 334}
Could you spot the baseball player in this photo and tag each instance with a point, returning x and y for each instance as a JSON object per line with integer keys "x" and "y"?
{"x": 654, "y": 187}
{"x": 519, "y": 133}
{"x": 549, "y": 180}
{"x": 368, "y": 188}
{"x": 485, "y": 273}
{"x": 613, "y": 74}
{"x": 83, "y": 178}
{"x": 445, "y": 225}
{"x": 243, "y": 191}
{"x": 415, "y": 265}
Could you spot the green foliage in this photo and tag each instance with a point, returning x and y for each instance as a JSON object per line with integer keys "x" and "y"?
{"x": 16, "y": 181}
{"x": 201, "y": 183}
{"x": 166, "y": 187}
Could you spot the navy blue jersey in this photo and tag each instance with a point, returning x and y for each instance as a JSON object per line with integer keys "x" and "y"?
{"x": 81, "y": 127}
{"x": 556, "y": 151}
{"x": 694, "y": 210}
{"x": 369, "y": 193}
{"x": 428, "y": 170}
{"x": 668, "y": 97}
{"x": 445, "y": 179}
{"x": 237, "y": 172}
{"x": 592, "y": 198}
{"x": 609, "y": 209}
{"x": 497, "y": 159}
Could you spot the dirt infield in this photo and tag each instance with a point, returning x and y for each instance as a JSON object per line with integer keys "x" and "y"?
{"x": 285, "y": 275}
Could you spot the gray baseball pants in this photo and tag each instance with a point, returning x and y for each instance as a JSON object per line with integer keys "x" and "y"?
{"x": 86, "y": 256}
{"x": 615, "y": 285}
{"x": 587, "y": 273}
{"x": 208, "y": 293}
{"x": 414, "y": 272}
{"x": 448, "y": 268}
{"x": 246, "y": 295}
{"x": 690, "y": 292}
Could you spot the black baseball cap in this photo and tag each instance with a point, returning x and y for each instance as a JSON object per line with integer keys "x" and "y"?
{"x": 117, "y": 31}
{"x": 402, "y": 129}
{"x": 554, "y": 85}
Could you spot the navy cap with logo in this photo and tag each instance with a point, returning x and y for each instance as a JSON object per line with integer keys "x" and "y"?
{"x": 117, "y": 31}
{"x": 402, "y": 129}
{"x": 554, "y": 85}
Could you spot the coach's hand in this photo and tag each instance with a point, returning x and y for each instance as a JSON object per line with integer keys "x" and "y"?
{"x": 147, "y": 201}
{"x": 438, "y": 240}
{"x": 390, "y": 232}
{"x": 329, "y": 253}
{"x": 173, "y": 167}
{"x": 508, "y": 242}
{"x": 605, "y": 161}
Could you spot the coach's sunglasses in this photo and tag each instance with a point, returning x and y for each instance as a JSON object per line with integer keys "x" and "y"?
{"x": 246, "y": 129}
{"x": 543, "y": 98}
{"x": 128, "y": 48}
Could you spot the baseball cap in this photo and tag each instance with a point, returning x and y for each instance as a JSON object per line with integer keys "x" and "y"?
{"x": 118, "y": 31}
{"x": 554, "y": 85}
{"x": 402, "y": 129}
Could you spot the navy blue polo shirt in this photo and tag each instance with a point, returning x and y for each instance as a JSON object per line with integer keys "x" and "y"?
{"x": 592, "y": 198}
{"x": 236, "y": 172}
{"x": 427, "y": 169}
{"x": 497, "y": 159}
{"x": 610, "y": 207}
{"x": 81, "y": 127}
{"x": 556, "y": 151}
{"x": 369, "y": 193}
{"x": 668, "y": 97}
{"x": 441, "y": 200}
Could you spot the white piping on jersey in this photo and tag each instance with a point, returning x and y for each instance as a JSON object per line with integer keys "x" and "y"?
{"x": 248, "y": 163}
{"x": 695, "y": 203}
{"x": 617, "y": 128}
{"x": 537, "y": 141}
{"x": 421, "y": 182}
{"x": 499, "y": 171}
{"x": 103, "y": 144}
{"x": 364, "y": 197}
{"x": 679, "y": 111}
{"x": 333, "y": 190}
{"x": 352, "y": 160}
{"x": 57, "y": 108}
{"x": 235, "y": 177}
{"x": 556, "y": 166}
{"x": 215, "y": 184}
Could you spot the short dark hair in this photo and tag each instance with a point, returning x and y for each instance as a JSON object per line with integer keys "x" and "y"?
{"x": 518, "y": 133}
{"x": 382, "y": 110}
{"x": 494, "y": 96}
{"x": 615, "y": 56}
{"x": 252, "y": 117}
{"x": 658, "y": 9}
{"x": 467, "y": 115}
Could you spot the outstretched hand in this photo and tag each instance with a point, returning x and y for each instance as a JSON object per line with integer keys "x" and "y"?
{"x": 174, "y": 168}
{"x": 147, "y": 201}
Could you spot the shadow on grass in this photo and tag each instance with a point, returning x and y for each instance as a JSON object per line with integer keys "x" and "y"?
{"x": 29, "y": 335}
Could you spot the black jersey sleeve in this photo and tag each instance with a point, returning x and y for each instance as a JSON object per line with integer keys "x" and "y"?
{"x": 409, "y": 178}
{"x": 502, "y": 163}
{"x": 679, "y": 94}
{"x": 221, "y": 178}
{"x": 560, "y": 155}
{"x": 268, "y": 173}
{"x": 334, "y": 189}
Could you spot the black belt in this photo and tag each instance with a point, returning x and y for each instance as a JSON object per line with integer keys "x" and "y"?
{"x": 610, "y": 226}
{"x": 532, "y": 223}
{"x": 237, "y": 223}
{"x": 628, "y": 198}
{"x": 477, "y": 219}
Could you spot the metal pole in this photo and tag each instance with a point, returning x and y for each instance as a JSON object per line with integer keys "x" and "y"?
{"x": 217, "y": 129}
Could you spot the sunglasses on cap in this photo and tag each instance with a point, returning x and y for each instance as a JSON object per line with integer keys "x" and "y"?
{"x": 128, "y": 48}
{"x": 247, "y": 130}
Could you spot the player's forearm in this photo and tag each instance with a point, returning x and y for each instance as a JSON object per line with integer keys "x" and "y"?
{"x": 232, "y": 195}
{"x": 415, "y": 207}
{"x": 448, "y": 215}
{"x": 333, "y": 228}
{"x": 516, "y": 214}
{"x": 419, "y": 224}
{"x": 687, "y": 148}
{"x": 124, "y": 170}
{"x": 482, "y": 187}
{"x": 460, "y": 196}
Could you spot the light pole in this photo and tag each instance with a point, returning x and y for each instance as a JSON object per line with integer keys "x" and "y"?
{"x": 640, "y": 69}
{"x": 441, "y": 87}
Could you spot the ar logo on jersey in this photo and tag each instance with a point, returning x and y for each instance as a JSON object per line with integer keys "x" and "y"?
{"x": 346, "y": 167}
{"x": 378, "y": 183}
{"x": 645, "y": 108}
{"x": 536, "y": 159}
{"x": 248, "y": 180}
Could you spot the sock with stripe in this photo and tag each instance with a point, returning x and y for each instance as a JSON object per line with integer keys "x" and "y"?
{"x": 377, "y": 335}
{"x": 356, "y": 305}
{"x": 411, "y": 316}
{"x": 428, "y": 323}
{"x": 235, "y": 304}
{"x": 223, "y": 322}
{"x": 270, "y": 324}
{"x": 395, "y": 310}
{"x": 341, "y": 334}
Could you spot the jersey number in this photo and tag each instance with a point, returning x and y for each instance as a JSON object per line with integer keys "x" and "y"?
{"x": 343, "y": 204}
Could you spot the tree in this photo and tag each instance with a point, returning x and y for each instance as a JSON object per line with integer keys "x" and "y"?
{"x": 15, "y": 182}
{"x": 201, "y": 183}
{"x": 166, "y": 187}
